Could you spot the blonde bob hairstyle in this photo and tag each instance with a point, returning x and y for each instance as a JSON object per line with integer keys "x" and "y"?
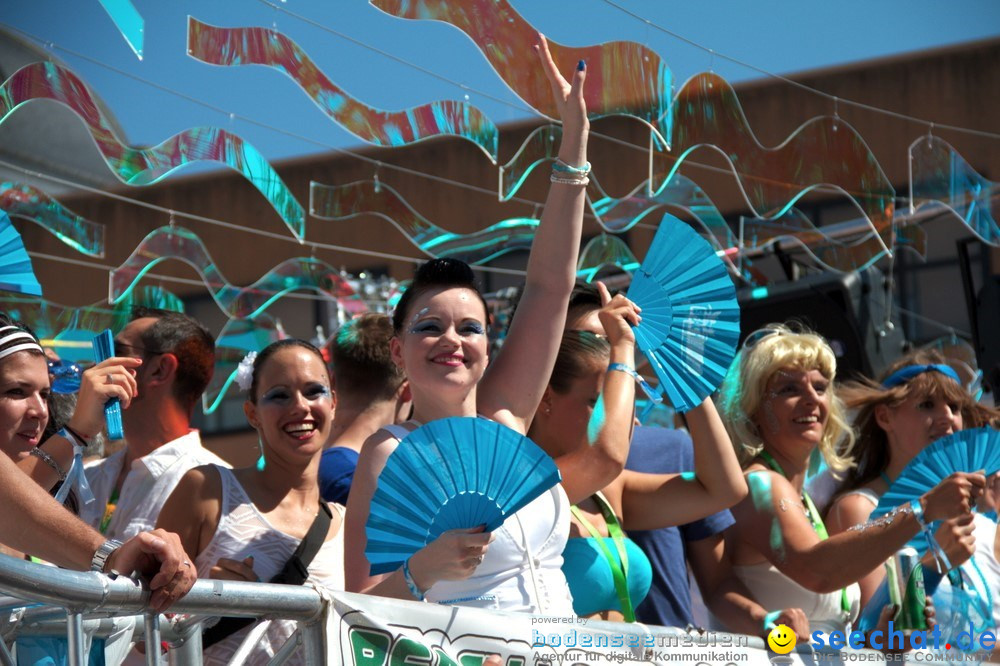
{"x": 772, "y": 348}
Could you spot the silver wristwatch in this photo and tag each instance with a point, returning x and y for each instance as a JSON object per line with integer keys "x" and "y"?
{"x": 103, "y": 553}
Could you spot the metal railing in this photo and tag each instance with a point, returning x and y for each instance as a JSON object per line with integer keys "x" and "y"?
{"x": 97, "y": 596}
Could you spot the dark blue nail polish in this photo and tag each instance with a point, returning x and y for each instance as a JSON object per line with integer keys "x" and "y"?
{"x": 582, "y": 65}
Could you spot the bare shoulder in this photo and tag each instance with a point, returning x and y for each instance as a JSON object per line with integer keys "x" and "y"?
{"x": 848, "y": 509}
{"x": 375, "y": 452}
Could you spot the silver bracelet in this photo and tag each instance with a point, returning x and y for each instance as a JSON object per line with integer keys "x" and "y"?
{"x": 566, "y": 179}
{"x": 50, "y": 461}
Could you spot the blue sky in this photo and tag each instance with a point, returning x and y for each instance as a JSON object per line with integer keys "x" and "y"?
{"x": 781, "y": 36}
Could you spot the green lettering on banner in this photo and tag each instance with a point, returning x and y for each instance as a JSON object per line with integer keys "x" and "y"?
{"x": 369, "y": 647}
{"x": 443, "y": 659}
{"x": 408, "y": 651}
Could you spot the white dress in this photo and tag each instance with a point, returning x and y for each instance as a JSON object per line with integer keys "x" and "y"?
{"x": 522, "y": 570}
{"x": 244, "y": 531}
{"x": 774, "y": 591}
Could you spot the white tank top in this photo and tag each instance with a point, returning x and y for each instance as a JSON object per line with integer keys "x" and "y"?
{"x": 522, "y": 570}
{"x": 244, "y": 531}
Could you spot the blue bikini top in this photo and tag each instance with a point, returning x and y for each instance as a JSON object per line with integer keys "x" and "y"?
{"x": 605, "y": 573}
{"x": 589, "y": 576}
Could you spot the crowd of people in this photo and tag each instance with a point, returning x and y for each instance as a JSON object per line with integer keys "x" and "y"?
{"x": 726, "y": 495}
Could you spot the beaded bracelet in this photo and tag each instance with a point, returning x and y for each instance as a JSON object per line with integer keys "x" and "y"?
{"x": 569, "y": 180}
{"x": 50, "y": 461}
{"x": 410, "y": 583}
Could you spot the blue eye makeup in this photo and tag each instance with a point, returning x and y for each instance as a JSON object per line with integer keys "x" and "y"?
{"x": 282, "y": 396}
{"x": 472, "y": 328}
{"x": 426, "y": 327}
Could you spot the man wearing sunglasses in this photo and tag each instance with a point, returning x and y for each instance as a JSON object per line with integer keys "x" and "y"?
{"x": 163, "y": 363}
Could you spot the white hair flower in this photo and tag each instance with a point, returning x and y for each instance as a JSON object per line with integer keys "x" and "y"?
{"x": 244, "y": 371}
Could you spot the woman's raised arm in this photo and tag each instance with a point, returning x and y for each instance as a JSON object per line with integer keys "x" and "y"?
{"x": 513, "y": 385}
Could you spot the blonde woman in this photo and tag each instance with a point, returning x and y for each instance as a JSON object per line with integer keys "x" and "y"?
{"x": 779, "y": 404}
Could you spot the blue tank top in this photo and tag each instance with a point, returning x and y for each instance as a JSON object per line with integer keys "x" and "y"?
{"x": 589, "y": 576}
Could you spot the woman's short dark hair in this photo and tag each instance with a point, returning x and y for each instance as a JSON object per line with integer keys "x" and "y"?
{"x": 436, "y": 274}
{"x": 269, "y": 351}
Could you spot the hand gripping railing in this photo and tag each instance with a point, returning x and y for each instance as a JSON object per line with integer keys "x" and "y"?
{"x": 81, "y": 593}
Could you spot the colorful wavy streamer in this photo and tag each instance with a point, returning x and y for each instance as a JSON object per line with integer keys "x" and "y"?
{"x": 129, "y": 22}
{"x": 823, "y": 152}
{"x": 237, "y": 338}
{"x": 605, "y": 252}
{"x": 261, "y": 46}
{"x": 623, "y": 78}
{"x": 940, "y": 176}
{"x": 237, "y": 302}
{"x": 145, "y": 166}
{"x": 368, "y": 197}
{"x": 30, "y": 203}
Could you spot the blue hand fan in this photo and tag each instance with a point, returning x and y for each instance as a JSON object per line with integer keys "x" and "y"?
{"x": 16, "y": 273}
{"x": 964, "y": 451}
{"x": 456, "y": 473}
{"x": 690, "y": 315}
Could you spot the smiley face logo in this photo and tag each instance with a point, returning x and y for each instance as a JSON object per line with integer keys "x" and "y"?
{"x": 781, "y": 639}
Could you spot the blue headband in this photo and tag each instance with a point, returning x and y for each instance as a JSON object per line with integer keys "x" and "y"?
{"x": 904, "y": 375}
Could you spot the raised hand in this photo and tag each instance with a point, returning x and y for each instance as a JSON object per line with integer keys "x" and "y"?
{"x": 616, "y": 315}
{"x": 956, "y": 538}
{"x": 572, "y": 107}
{"x": 954, "y": 496}
{"x": 113, "y": 378}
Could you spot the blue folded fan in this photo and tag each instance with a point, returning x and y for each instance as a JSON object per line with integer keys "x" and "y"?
{"x": 456, "y": 473}
{"x": 16, "y": 273}
{"x": 690, "y": 315}
{"x": 964, "y": 451}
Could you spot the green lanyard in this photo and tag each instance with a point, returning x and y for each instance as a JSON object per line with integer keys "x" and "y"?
{"x": 619, "y": 572}
{"x": 814, "y": 518}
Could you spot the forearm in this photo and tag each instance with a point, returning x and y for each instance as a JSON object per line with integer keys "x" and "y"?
{"x": 844, "y": 559}
{"x": 554, "y": 250}
{"x": 734, "y": 606}
{"x": 611, "y": 423}
{"x": 60, "y": 451}
{"x": 34, "y": 523}
{"x": 715, "y": 464}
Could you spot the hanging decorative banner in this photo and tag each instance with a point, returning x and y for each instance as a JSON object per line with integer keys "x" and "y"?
{"x": 237, "y": 338}
{"x": 172, "y": 242}
{"x": 541, "y": 146}
{"x": 30, "y": 203}
{"x": 623, "y": 78}
{"x": 605, "y": 252}
{"x": 940, "y": 176}
{"x": 128, "y": 21}
{"x": 262, "y": 46}
{"x": 16, "y": 273}
{"x": 69, "y": 331}
{"x": 145, "y": 166}
{"x": 369, "y": 197}
{"x": 823, "y": 152}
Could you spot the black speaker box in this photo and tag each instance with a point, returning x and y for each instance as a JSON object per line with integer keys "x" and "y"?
{"x": 848, "y": 309}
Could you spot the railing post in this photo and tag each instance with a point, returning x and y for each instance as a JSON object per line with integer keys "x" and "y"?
{"x": 74, "y": 638}
{"x": 313, "y": 643}
{"x": 151, "y": 627}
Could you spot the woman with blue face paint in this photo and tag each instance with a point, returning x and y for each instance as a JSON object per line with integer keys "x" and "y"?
{"x": 245, "y": 524}
{"x": 440, "y": 342}
{"x": 779, "y": 404}
{"x": 608, "y": 574}
{"x": 919, "y": 399}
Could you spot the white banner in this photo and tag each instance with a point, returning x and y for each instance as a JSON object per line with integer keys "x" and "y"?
{"x": 372, "y": 631}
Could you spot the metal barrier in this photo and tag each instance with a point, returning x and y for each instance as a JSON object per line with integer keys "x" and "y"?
{"x": 98, "y": 596}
